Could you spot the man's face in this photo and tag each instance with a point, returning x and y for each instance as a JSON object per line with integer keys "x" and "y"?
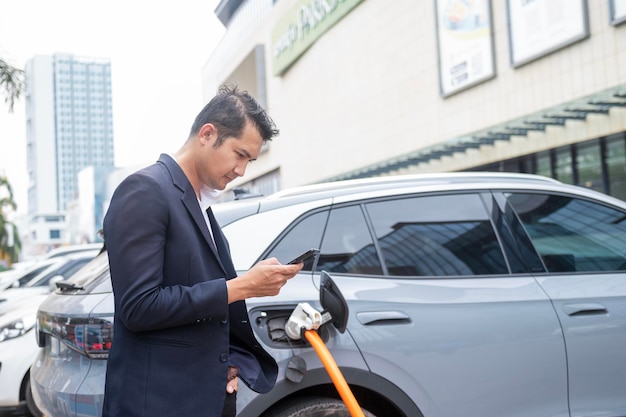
{"x": 219, "y": 166}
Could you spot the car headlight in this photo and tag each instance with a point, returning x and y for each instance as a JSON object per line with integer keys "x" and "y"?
{"x": 16, "y": 328}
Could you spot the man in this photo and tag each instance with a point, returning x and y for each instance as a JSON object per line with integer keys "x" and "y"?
{"x": 181, "y": 330}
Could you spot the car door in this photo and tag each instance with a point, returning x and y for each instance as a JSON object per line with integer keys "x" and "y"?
{"x": 435, "y": 310}
{"x": 583, "y": 246}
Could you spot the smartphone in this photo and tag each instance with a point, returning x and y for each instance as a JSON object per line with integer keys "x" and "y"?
{"x": 308, "y": 255}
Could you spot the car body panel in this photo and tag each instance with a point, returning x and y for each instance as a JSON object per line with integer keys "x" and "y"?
{"x": 462, "y": 333}
{"x": 592, "y": 311}
{"x": 342, "y": 348}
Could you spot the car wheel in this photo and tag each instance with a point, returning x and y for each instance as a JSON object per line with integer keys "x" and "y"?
{"x": 30, "y": 402}
{"x": 315, "y": 407}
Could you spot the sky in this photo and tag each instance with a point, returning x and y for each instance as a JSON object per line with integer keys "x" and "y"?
{"x": 157, "y": 49}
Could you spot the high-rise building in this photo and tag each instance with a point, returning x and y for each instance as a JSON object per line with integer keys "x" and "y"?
{"x": 69, "y": 126}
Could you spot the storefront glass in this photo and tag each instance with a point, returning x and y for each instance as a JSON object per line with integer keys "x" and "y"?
{"x": 544, "y": 164}
{"x": 589, "y": 165}
{"x": 593, "y": 168}
{"x": 563, "y": 168}
{"x": 616, "y": 165}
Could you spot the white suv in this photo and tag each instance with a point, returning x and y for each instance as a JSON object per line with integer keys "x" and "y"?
{"x": 470, "y": 294}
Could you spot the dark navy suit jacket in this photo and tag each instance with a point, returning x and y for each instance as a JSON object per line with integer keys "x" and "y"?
{"x": 174, "y": 333}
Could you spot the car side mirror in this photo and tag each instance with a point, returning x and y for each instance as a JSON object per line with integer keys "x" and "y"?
{"x": 52, "y": 284}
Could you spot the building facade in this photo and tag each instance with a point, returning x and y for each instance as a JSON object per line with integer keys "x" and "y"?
{"x": 363, "y": 88}
{"x": 69, "y": 126}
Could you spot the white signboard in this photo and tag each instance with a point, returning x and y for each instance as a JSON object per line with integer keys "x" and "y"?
{"x": 539, "y": 27}
{"x": 465, "y": 42}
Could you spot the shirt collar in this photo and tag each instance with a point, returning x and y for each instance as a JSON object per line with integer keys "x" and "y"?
{"x": 208, "y": 196}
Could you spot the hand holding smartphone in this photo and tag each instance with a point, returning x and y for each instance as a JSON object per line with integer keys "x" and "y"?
{"x": 310, "y": 254}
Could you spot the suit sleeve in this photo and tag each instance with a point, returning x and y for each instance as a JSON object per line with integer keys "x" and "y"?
{"x": 135, "y": 230}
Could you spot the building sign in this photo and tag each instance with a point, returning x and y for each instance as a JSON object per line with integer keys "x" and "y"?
{"x": 539, "y": 27}
{"x": 465, "y": 44}
{"x": 618, "y": 11}
{"x": 301, "y": 26}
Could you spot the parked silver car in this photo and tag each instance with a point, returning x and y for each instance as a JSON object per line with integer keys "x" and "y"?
{"x": 470, "y": 294}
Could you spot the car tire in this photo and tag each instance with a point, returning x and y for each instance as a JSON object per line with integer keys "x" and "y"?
{"x": 315, "y": 407}
{"x": 30, "y": 402}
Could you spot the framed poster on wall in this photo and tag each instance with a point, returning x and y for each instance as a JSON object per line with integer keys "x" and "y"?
{"x": 540, "y": 27}
{"x": 464, "y": 43}
{"x": 617, "y": 8}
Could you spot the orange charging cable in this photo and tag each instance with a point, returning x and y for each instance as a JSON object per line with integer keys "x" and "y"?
{"x": 334, "y": 372}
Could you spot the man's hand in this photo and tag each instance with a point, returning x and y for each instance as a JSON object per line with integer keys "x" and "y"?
{"x": 231, "y": 385}
{"x": 264, "y": 279}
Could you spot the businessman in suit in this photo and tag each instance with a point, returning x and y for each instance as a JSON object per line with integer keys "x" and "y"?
{"x": 181, "y": 329}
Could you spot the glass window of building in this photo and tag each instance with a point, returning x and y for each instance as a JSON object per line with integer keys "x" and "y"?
{"x": 616, "y": 165}
{"x": 589, "y": 165}
{"x": 544, "y": 164}
{"x": 563, "y": 165}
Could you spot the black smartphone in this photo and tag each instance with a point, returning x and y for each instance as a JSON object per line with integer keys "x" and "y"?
{"x": 310, "y": 254}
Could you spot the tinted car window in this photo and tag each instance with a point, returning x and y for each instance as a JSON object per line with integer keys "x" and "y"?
{"x": 430, "y": 236}
{"x": 348, "y": 246}
{"x": 572, "y": 234}
{"x": 303, "y": 235}
{"x": 93, "y": 277}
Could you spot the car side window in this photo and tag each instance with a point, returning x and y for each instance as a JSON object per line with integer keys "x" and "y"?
{"x": 572, "y": 234}
{"x": 444, "y": 235}
{"x": 304, "y": 234}
{"x": 348, "y": 246}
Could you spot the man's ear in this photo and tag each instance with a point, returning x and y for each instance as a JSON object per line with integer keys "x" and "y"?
{"x": 207, "y": 132}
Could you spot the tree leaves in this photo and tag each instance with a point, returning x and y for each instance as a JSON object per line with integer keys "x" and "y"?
{"x": 10, "y": 244}
{"x": 12, "y": 82}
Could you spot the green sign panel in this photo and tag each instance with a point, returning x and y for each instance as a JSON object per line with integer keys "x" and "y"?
{"x": 301, "y": 26}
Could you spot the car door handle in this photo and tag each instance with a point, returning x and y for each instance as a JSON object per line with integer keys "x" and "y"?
{"x": 584, "y": 309}
{"x": 369, "y": 318}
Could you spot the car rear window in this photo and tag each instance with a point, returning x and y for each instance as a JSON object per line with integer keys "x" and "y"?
{"x": 572, "y": 234}
{"x": 94, "y": 277}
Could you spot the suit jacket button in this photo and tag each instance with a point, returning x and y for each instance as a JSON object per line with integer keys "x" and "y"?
{"x": 224, "y": 321}
{"x": 223, "y": 357}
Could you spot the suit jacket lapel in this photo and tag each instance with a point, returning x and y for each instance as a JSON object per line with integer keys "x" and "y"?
{"x": 222, "y": 245}
{"x": 190, "y": 201}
